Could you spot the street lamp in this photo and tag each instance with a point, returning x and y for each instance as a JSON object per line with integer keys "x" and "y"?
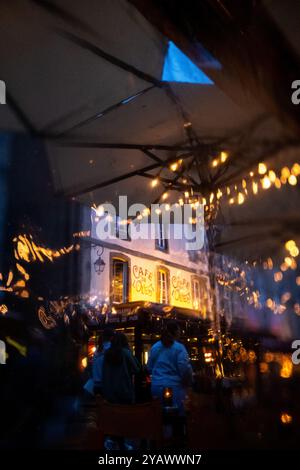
{"x": 99, "y": 264}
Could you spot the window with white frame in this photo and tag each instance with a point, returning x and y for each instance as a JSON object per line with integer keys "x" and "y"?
{"x": 163, "y": 286}
{"x": 119, "y": 281}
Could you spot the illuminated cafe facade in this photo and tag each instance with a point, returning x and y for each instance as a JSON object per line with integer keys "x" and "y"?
{"x": 159, "y": 274}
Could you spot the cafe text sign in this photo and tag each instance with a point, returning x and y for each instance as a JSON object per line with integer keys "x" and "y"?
{"x": 142, "y": 283}
{"x": 181, "y": 291}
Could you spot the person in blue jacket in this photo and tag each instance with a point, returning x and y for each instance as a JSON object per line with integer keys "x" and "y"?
{"x": 170, "y": 366}
{"x": 98, "y": 360}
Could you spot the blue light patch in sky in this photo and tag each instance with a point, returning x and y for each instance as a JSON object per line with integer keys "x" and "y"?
{"x": 179, "y": 68}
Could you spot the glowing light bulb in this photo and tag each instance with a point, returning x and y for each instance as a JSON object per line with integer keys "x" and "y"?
{"x": 294, "y": 251}
{"x": 292, "y": 180}
{"x": 285, "y": 172}
{"x": 254, "y": 187}
{"x": 262, "y": 169}
{"x": 224, "y": 156}
{"x": 174, "y": 166}
{"x": 231, "y": 200}
{"x": 181, "y": 202}
{"x": 215, "y": 163}
{"x": 241, "y": 198}
{"x": 288, "y": 261}
{"x": 296, "y": 169}
{"x": 164, "y": 196}
{"x": 186, "y": 194}
{"x": 266, "y": 183}
{"x": 277, "y": 183}
{"x": 290, "y": 244}
{"x": 154, "y": 182}
{"x": 272, "y": 176}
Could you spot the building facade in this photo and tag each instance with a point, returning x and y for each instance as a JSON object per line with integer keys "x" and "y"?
{"x": 159, "y": 271}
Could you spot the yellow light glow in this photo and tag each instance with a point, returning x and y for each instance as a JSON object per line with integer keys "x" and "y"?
{"x": 154, "y": 182}
{"x": 157, "y": 211}
{"x": 272, "y": 176}
{"x": 286, "y": 368}
{"x": 219, "y": 194}
{"x": 288, "y": 261}
{"x": 145, "y": 212}
{"x": 283, "y": 180}
{"x": 211, "y": 197}
{"x": 174, "y": 166}
{"x": 254, "y": 187}
{"x": 286, "y": 418}
{"x": 277, "y": 183}
{"x": 231, "y": 200}
{"x": 270, "y": 303}
{"x": 3, "y": 309}
{"x": 167, "y": 207}
{"x": 224, "y": 156}
{"x": 181, "y": 202}
{"x": 290, "y": 244}
{"x": 296, "y": 169}
{"x": 262, "y": 169}
{"x": 215, "y": 163}
{"x": 292, "y": 180}
{"x": 15, "y": 344}
{"x": 84, "y": 362}
{"x": 241, "y": 198}
{"x": 164, "y": 196}
{"x": 251, "y": 174}
{"x": 244, "y": 184}
{"x": 186, "y": 194}
{"x": 204, "y": 201}
{"x": 228, "y": 190}
{"x": 294, "y": 251}
{"x": 298, "y": 280}
{"x": 285, "y": 172}
{"x": 266, "y": 183}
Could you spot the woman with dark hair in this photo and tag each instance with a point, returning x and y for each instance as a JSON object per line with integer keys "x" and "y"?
{"x": 170, "y": 366}
{"x": 119, "y": 367}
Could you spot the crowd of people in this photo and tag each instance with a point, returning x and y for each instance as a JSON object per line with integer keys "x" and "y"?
{"x": 114, "y": 368}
